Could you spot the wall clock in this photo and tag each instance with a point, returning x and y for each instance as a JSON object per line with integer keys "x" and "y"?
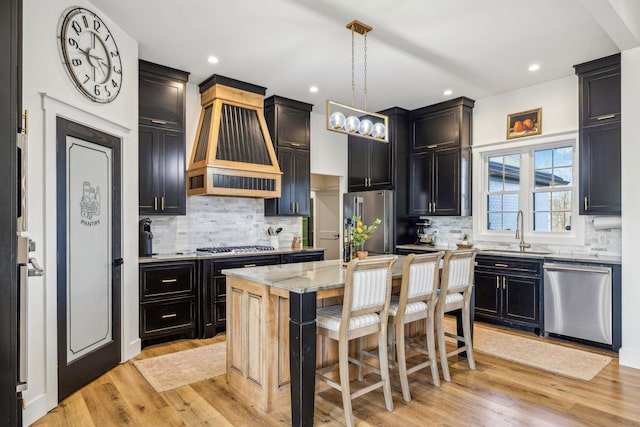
{"x": 90, "y": 55}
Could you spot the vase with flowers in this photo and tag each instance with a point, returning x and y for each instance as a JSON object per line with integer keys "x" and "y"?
{"x": 360, "y": 233}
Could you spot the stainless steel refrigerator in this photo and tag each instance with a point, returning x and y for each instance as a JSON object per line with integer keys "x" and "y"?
{"x": 370, "y": 205}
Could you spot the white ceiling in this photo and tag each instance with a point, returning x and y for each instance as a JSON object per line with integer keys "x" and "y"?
{"x": 418, "y": 48}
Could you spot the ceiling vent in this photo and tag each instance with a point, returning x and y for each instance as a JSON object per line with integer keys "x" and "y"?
{"x": 233, "y": 153}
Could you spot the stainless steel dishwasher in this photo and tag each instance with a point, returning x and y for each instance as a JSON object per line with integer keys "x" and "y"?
{"x": 577, "y": 301}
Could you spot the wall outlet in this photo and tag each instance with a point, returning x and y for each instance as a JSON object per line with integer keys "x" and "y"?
{"x": 602, "y": 238}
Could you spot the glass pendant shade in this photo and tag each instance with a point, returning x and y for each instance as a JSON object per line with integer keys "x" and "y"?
{"x": 366, "y": 126}
{"x": 352, "y": 124}
{"x": 337, "y": 120}
{"x": 379, "y": 131}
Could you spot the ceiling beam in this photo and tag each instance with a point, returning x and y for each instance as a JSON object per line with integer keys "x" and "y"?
{"x": 620, "y": 19}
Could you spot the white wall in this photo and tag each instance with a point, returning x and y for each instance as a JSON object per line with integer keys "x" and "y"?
{"x": 558, "y": 100}
{"x": 630, "y": 351}
{"x": 44, "y": 73}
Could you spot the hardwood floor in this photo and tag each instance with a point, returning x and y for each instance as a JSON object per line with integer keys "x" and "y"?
{"x": 498, "y": 393}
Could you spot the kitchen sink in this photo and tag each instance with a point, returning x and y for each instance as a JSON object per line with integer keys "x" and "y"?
{"x": 515, "y": 251}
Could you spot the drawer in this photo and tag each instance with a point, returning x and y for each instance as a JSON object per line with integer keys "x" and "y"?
{"x": 506, "y": 265}
{"x": 167, "y": 280}
{"x": 158, "y": 318}
{"x": 253, "y": 261}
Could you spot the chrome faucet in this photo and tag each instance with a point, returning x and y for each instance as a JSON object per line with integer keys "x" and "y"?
{"x": 520, "y": 231}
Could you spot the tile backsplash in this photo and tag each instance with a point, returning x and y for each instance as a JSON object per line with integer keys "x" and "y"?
{"x": 220, "y": 221}
{"x": 449, "y": 230}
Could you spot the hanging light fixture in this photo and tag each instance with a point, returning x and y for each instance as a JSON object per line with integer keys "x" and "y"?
{"x": 348, "y": 119}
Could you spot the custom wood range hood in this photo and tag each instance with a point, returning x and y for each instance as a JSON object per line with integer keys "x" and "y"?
{"x": 233, "y": 153}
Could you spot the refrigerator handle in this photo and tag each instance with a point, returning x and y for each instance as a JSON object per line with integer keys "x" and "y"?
{"x": 358, "y": 203}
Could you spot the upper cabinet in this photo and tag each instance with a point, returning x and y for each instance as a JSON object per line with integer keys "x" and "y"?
{"x": 161, "y": 148}
{"x": 439, "y": 161}
{"x": 289, "y": 126}
{"x": 372, "y": 164}
{"x": 600, "y": 136}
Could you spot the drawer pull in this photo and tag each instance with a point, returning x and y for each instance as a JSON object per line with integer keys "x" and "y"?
{"x": 586, "y": 203}
{"x": 169, "y": 280}
{"x": 606, "y": 117}
{"x": 169, "y": 316}
{"x": 432, "y": 146}
{"x": 249, "y": 265}
{"x": 502, "y": 265}
{"x": 158, "y": 122}
{"x": 497, "y": 282}
{"x": 293, "y": 144}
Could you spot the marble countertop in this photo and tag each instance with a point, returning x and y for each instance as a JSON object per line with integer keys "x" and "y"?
{"x": 188, "y": 256}
{"x": 547, "y": 256}
{"x": 302, "y": 277}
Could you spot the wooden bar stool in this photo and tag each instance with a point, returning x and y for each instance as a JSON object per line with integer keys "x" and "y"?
{"x": 456, "y": 285}
{"x": 364, "y": 311}
{"x": 417, "y": 301}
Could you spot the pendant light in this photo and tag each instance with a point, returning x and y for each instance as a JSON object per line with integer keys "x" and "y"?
{"x": 348, "y": 119}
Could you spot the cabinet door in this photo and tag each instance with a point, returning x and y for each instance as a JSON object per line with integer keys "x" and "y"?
{"x": 600, "y": 98}
{"x": 600, "y": 170}
{"x": 286, "y": 159}
{"x": 521, "y": 299}
{"x": 446, "y": 182}
{"x": 293, "y": 127}
{"x": 420, "y": 178}
{"x": 301, "y": 188}
{"x": 379, "y": 165}
{"x": 161, "y": 172}
{"x": 173, "y": 190}
{"x": 488, "y": 291}
{"x": 358, "y": 163}
{"x": 438, "y": 129}
{"x": 161, "y": 101}
{"x": 148, "y": 170}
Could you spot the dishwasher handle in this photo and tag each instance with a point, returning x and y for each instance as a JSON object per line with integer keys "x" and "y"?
{"x": 580, "y": 268}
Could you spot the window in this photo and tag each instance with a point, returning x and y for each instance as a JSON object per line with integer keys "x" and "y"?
{"x": 540, "y": 180}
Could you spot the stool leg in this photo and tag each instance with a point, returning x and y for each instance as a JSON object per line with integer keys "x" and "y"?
{"x": 359, "y": 368}
{"x": 384, "y": 367}
{"x": 343, "y": 355}
{"x": 402, "y": 361}
{"x": 466, "y": 328}
{"x": 431, "y": 348}
{"x": 442, "y": 348}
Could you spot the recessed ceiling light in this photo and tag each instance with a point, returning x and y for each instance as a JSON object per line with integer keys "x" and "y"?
{"x": 534, "y": 67}
{"x": 313, "y": 89}
{"x": 212, "y": 60}
{"x": 447, "y": 92}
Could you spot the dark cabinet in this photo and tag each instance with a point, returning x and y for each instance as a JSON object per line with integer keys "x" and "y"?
{"x": 508, "y": 291}
{"x": 373, "y": 165}
{"x": 168, "y": 300}
{"x": 161, "y": 171}
{"x": 289, "y": 126}
{"x": 305, "y": 256}
{"x": 161, "y": 155}
{"x": 439, "y": 163}
{"x": 600, "y": 136}
{"x": 600, "y": 169}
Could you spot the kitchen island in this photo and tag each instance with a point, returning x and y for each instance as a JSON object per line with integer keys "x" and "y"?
{"x": 272, "y": 345}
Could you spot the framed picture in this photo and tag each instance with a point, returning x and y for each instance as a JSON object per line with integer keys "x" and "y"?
{"x": 525, "y": 123}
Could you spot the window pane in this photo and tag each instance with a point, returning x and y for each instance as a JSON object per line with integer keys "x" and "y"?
{"x": 560, "y": 221}
{"x": 544, "y": 177}
{"x": 542, "y": 202}
{"x": 543, "y": 159}
{"x": 563, "y": 156}
{"x": 563, "y": 175}
{"x": 503, "y": 171}
{"x": 495, "y": 183}
{"x": 561, "y": 201}
{"x": 510, "y": 221}
{"x": 510, "y": 203}
{"x": 542, "y": 221}
{"x": 494, "y": 221}
{"x": 494, "y": 203}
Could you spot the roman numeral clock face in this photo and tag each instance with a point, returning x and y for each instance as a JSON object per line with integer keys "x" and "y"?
{"x": 90, "y": 55}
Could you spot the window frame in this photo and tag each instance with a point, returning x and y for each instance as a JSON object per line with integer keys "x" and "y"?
{"x": 526, "y": 150}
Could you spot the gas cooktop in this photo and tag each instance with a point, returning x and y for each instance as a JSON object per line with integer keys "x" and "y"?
{"x": 235, "y": 249}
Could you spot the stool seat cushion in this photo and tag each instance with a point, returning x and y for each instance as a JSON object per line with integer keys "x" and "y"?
{"x": 453, "y": 300}
{"x": 412, "y": 307}
{"x": 329, "y": 318}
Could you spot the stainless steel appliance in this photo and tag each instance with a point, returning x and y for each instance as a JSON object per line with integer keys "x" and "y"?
{"x": 578, "y": 302}
{"x": 425, "y": 235}
{"x": 235, "y": 249}
{"x": 370, "y": 205}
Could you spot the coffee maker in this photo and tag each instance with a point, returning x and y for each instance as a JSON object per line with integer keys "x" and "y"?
{"x": 146, "y": 237}
{"x": 425, "y": 237}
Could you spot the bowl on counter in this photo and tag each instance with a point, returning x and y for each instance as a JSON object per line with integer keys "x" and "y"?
{"x": 463, "y": 245}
